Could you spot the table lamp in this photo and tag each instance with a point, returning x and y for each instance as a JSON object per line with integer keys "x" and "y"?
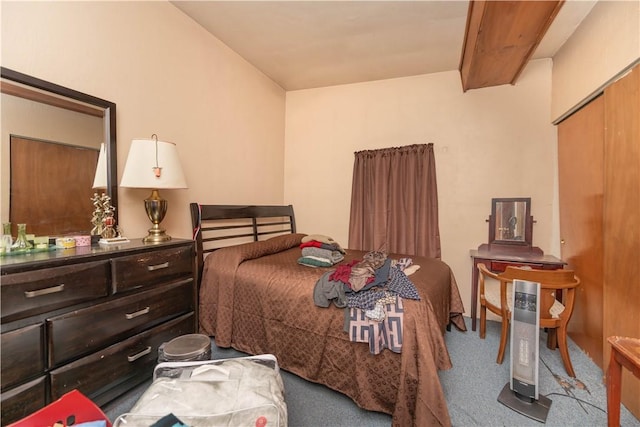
{"x": 100, "y": 180}
{"x": 99, "y": 200}
{"x": 155, "y": 165}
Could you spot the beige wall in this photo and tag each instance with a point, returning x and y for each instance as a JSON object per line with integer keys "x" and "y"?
{"x": 493, "y": 142}
{"x": 482, "y": 138}
{"x": 167, "y": 76}
{"x": 605, "y": 43}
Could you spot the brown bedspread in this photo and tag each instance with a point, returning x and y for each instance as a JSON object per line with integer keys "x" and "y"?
{"x": 257, "y": 299}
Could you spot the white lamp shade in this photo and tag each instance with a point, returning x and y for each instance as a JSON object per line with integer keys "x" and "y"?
{"x": 100, "y": 180}
{"x": 147, "y": 154}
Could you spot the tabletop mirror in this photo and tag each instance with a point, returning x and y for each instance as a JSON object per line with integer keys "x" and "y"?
{"x": 510, "y": 225}
{"x": 51, "y": 141}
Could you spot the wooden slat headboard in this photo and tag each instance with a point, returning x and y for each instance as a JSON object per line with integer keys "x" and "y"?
{"x": 216, "y": 226}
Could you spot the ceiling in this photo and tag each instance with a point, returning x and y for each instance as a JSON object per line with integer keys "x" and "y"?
{"x": 307, "y": 44}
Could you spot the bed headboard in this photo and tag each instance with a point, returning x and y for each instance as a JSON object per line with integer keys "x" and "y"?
{"x": 215, "y": 226}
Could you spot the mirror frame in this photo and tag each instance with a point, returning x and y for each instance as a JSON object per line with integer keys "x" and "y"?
{"x": 528, "y": 228}
{"x": 109, "y": 116}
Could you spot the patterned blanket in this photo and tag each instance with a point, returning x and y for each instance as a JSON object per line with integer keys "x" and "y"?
{"x": 257, "y": 299}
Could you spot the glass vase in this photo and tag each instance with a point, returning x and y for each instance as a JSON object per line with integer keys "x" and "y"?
{"x": 21, "y": 241}
{"x": 7, "y": 240}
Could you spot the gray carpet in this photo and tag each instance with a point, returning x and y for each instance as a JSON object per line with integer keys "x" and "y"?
{"x": 471, "y": 388}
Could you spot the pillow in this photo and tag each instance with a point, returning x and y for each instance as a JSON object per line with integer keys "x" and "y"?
{"x": 285, "y": 241}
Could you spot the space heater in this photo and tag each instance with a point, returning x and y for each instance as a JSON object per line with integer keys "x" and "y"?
{"x": 521, "y": 392}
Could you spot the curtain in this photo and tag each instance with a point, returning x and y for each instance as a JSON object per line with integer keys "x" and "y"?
{"x": 394, "y": 201}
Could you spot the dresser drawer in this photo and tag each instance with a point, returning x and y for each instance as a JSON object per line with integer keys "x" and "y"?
{"x": 22, "y": 354}
{"x": 500, "y": 266}
{"x": 38, "y": 291}
{"x": 152, "y": 267}
{"x": 105, "y": 374}
{"x": 23, "y": 400}
{"x": 83, "y": 331}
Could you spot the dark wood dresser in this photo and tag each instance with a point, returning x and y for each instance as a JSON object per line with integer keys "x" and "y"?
{"x": 90, "y": 318}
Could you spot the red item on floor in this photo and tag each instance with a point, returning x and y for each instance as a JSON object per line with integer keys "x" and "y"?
{"x": 73, "y": 408}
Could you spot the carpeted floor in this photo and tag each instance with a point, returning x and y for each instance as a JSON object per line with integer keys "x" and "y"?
{"x": 471, "y": 387}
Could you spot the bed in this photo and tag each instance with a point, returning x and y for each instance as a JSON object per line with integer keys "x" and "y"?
{"x": 256, "y": 298}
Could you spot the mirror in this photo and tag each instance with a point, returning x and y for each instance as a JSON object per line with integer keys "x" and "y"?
{"x": 510, "y": 222}
{"x": 42, "y": 120}
{"x": 511, "y": 216}
{"x": 511, "y": 227}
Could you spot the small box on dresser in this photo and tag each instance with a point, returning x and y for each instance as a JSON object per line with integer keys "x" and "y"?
{"x": 90, "y": 318}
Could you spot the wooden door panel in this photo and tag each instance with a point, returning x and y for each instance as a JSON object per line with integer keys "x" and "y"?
{"x": 581, "y": 189}
{"x": 51, "y": 186}
{"x": 622, "y": 220}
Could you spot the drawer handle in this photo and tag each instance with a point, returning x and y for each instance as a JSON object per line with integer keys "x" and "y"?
{"x": 46, "y": 291}
{"x": 158, "y": 266}
{"x": 135, "y": 314}
{"x": 139, "y": 355}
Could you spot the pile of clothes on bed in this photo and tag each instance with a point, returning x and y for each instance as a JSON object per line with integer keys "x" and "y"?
{"x": 319, "y": 250}
{"x": 371, "y": 291}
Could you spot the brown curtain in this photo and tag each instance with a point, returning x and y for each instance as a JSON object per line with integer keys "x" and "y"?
{"x": 394, "y": 201}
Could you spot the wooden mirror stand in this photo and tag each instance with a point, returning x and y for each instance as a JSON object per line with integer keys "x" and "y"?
{"x": 511, "y": 227}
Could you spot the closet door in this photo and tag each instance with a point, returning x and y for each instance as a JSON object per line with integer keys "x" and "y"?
{"x": 622, "y": 220}
{"x": 581, "y": 186}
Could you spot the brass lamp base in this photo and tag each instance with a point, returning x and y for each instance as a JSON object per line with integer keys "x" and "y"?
{"x": 156, "y": 235}
{"x": 156, "y": 208}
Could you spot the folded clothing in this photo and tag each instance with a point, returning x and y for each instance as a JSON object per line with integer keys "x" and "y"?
{"x": 327, "y": 246}
{"x": 321, "y": 238}
{"x": 319, "y": 250}
{"x": 333, "y": 256}
{"x": 314, "y": 261}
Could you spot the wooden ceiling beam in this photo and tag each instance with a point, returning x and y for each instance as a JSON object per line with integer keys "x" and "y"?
{"x": 500, "y": 38}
